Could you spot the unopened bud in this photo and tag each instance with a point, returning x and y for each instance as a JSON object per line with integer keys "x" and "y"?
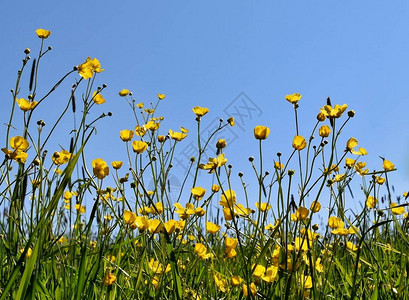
{"x": 27, "y": 51}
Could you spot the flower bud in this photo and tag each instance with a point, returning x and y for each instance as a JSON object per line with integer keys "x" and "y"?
{"x": 351, "y": 113}
{"x": 321, "y": 117}
{"x": 27, "y": 51}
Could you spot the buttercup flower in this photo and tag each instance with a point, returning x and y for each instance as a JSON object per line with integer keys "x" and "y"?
{"x": 161, "y": 96}
{"x": 126, "y": 135}
{"x": 62, "y": 157}
{"x": 177, "y": 136}
{"x": 198, "y": 192}
{"x": 200, "y": 111}
{"x": 387, "y": 165}
{"x": 100, "y": 168}
{"x": 214, "y": 163}
{"x": 230, "y": 121}
{"x": 139, "y": 146}
{"x": 215, "y": 188}
{"x": 19, "y": 143}
{"x": 97, "y": 98}
{"x": 212, "y": 228}
{"x": 371, "y": 202}
{"x": 152, "y": 126}
{"x": 221, "y": 143}
{"x": 140, "y": 130}
{"x": 109, "y": 279}
{"x": 299, "y": 142}
{"x": 397, "y": 210}
{"x": 26, "y": 105}
{"x": 43, "y": 33}
{"x": 116, "y": 164}
{"x": 89, "y": 67}
{"x": 333, "y": 112}
{"x": 261, "y": 132}
{"x": 124, "y": 92}
{"x": 294, "y": 98}
{"x": 324, "y": 131}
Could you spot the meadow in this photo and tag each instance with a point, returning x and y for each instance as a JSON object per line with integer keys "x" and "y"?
{"x": 133, "y": 241}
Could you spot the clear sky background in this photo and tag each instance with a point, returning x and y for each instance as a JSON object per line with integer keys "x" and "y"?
{"x": 208, "y": 53}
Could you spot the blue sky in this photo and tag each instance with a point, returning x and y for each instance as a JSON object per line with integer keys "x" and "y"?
{"x": 208, "y": 53}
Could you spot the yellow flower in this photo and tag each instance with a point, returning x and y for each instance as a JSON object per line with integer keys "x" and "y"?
{"x": 126, "y": 135}
{"x": 335, "y": 112}
{"x": 335, "y": 222}
{"x": 19, "y": 143}
{"x": 261, "y": 132}
{"x": 100, "y": 168}
{"x": 28, "y": 253}
{"x": 185, "y": 213}
{"x": 152, "y": 126}
{"x": 80, "y": 208}
{"x": 157, "y": 268}
{"x": 198, "y": 192}
{"x": 387, "y": 165}
{"x": 302, "y": 213}
{"x": 214, "y": 163}
{"x": 116, "y": 164}
{"x": 140, "y": 130}
{"x": 236, "y": 280}
{"x": 305, "y": 281}
{"x": 62, "y": 157}
{"x": 140, "y": 105}
{"x": 201, "y": 251}
{"x": 259, "y": 271}
{"x": 228, "y": 199}
{"x": 97, "y": 98}
{"x": 215, "y": 188}
{"x": 253, "y": 289}
{"x": 124, "y": 92}
{"x": 87, "y": 69}
{"x": 397, "y": 210}
{"x": 221, "y": 283}
{"x": 294, "y": 98}
{"x": 315, "y": 206}
{"x": 299, "y": 142}
{"x": 349, "y": 162}
{"x": 109, "y": 279}
{"x": 380, "y": 180}
{"x": 278, "y": 165}
{"x": 43, "y": 33}
{"x": 351, "y": 246}
{"x": 321, "y": 117}
{"x": 177, "y": 136}
{"x": 139, "y": 146}
{"x": 161, "y": 96}
{"x": 324, "y": 131}
{"x": 212, "y": 228}
{"x": 200, "y": 111}
{"x": 264, "y": 206}
{"x": 371, "y": 202}
{"x": 230, "y": 121}
{"x": 155, "y": 226}
{"x": 26, "y": 105}
{"x": 221, "y": 143}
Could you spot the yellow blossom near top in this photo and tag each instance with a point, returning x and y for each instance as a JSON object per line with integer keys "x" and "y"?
{"x": 158, "y": 268}
{"x": 228, "y": 198}
{"x": 294, "y": 98}
{"x": 124, "y": 92}
{"x": 97, "y": 98}
{"x": 26, "y": 105}
{"x": 126, "y": 135}
{"x": 200, "y": 111}
{"x": 161, "y": 96}
{"x": 201, "y": 251}
{"x": 351, "y": 144}
{"x": 185, "y": 213}
{"x": 321, "y": 117}
{"x": 152, "y": 126}
{"x": 215, "y": 188}
{"x": 371, "y": 202}
{"x": 263, "y": 206}
{"x": 87, "y": 69}
{"x": 302, "y": 213}
{"x": 230, "y": 121}
{"x": 387, "y": 165}
{"x": 324, "y": 131}
{"x": 299, "y": 142}
{"x": 315, "y": 206}
{"x": 155, "y": 226}
{"x": 116, "y": 164}
{"x": 335, "y": 222}
{"x": 333, "y": 112}
{"x": 140, "y": 130}
{"x": 214, "y": 163}
{"x": 19, "y": 143}
{"x": 271, "y": 274}
{"x": 139, "y": 146}
{"x": 278, "y": 165}
{"x": 198, "y": 192}
{"x": 221, "y": 143}
{"x": 80, "y": 208}
{"x": 261, "y": 132}
{"x": 379, "y": 180}
{"x": 100, "y": 168}
{"x": 140, "y": 105}
{"x": 349, "y": 162}
{"x": 43, "y": 33}
{"x": 177, "y": 136}
{"x": 212, "y": 228}
{"x": 62, "y": 157}
{"x": 258, "y": 271}
{"x": 397, "y": 210}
